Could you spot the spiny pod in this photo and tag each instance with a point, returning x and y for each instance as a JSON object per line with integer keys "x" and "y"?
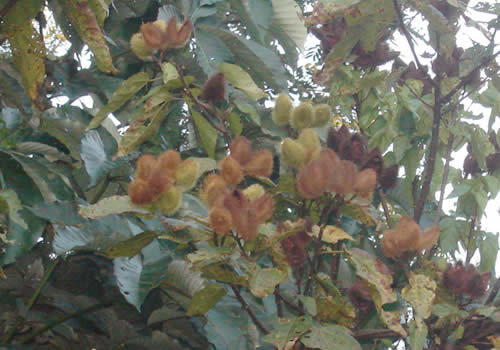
{"x": 170, "y": 201}
{"x": 187, "y": 174}
{"x": 309, "y": 139}
{"x": 282, "y": 109}
{"x": 139, "y": 47}
{"x": 322, "y": 114}
{"x": 292, "y": 152}
{"x": 302, "y": 116}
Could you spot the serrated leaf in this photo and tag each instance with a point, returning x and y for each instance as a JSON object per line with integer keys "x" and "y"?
{"x": 263, "y": 281}
{"x": 331, "y": 234}
{"x": 287, "y": 14}
{"x": 420, "y": 293}
{"x": 329, "y": 337}
{"x": 132, "y": 246}
{"x": 242, "y": 80}
{"x": 83, "y": 19}
{"x": 125, "y": 92}
{"x": 207, "y": 133}
{"x": 205, "y": 299}
{"x": 109, "y": 206}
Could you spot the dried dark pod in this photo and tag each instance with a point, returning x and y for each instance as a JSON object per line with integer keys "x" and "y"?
{"x": 493, "y": 162}
{"x": 381, "y": 55}
{"x": 389, "y": 177}
{"x": 465, "y": 280}
{"x": 214, "y": 89}
{"x": 471, "y": 166}
{"x": 336, "y": 137}
{"x": 412, "y": 72}
{"x": 374, "y": 161}
{"x": 359, "y": 148}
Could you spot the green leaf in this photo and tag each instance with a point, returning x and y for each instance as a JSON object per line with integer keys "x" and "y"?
{"x": 132, "y": 246}
{"x": 248, "y": 109}
{"x": 242, "y": 80}
{"x": 96, "y": 157}
{"x": 418, "y": 334}
{"x": 182, "y": 278}
{"x": 221, "y": 274}
{"x": 263, "y": 281}
{"x": 210, "y": 52}
{"x": 125, "y": 92}
{"x": 235, "y": 123}
{"x": 358, "y": 212}
{"x": 489, "y": 250}
{"x": 205, "y": 299}
{"x": 420, "y": 293}
{"x": 208, "y": 256}
{"x": 142, "y": 129}
{"x": 84, "y": 20}
{"x": 207, "y": 133}
{"x": 109, "y": 206}
{"x": 329, "y": 337}
{"x": 481, "y": 146}
{"x": 136, "y": 276}
{"x": 262, "y": 63}
{"x": 286, "y": 329}
{"x": 249, "y": 16}
{"x": 287, "y": 15}
{"x": 309, "y": 304}
{"x": 10, "y": 204}
{"x": 331, "y": 234}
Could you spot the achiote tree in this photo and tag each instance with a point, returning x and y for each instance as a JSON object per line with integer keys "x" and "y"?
{"x": 217, "y": 195}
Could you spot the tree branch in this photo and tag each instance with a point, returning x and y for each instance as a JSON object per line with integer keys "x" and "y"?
{"x": 431, "y": 156}
{"x": 367, "y": 334}
{"x": 249, "y": 311}
{"x": 384, "y": 206}
{"x": 493, "y": 292}
{"x": 7, "y": 8}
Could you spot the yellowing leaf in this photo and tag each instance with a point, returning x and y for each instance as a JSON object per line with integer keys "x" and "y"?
{"x": 206, "y": 298}
{"x": 207, "y": 132}
{"x": 242, "y": 80}
{"x": 331, "y": 234}
{"x": 169, "y": 72}
{"x": 84, "y": 20}
{"x": 132, "y": 246}
{"x": 125, "y": 92}
{"x": 28, "y": 54}
{"x": 109, "y": 206}
{"x": 420, "y": 294}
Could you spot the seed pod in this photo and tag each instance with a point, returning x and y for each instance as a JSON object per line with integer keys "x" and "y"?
{"x": 313, "y": 181}
{"x": 402, "y": 239}
{"x": 302, "y": 116}
{"x": 309, "y": 139}
{"x": 343, "y": 177}
{"x": 154, "y": 34}
{"x": 374, "y": 161}
{"x": 389, "y": 177}
{"x": 159, "y": 181}
{"x": 170, "y": 201}
{"x": 465, "y": 280}
{"x": 178, "y": 34}
{"x": 145, "y": 165}
{"x": 231, "y": 171}
{"x": 365, "y": 182}
{"x": 220, "y": 220}
{"x": 336, "y": 137}
{"x": 214, "y": 189}
{"x": 214, "y": 89}
{"x": 260, "y": 164}
{"x": 240, "y": 149}
{"x": 282, "y": 109}
{"x": 292, "y": 152}
{"x": 169, "y": 161}
{"x": 139, "y": 192}
{"x": 322, "y": 114}
{"x": 428, "y": 238}
{"x": 254, "y": 191}
{"x": 187, "y": 174}
{"x": 263, "y": 207}
{"x": 139, "y": 47}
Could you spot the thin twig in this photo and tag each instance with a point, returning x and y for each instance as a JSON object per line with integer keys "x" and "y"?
{"x": 288, "y": 302}
{"x": 65, "y": 318}
{"x": 249, "y": 311}
{"x": 277, "y": 300}
{"x": 7, "y": 8}
{"x": 431, "y": 155}
{"x": 471, "y": 233}
{"x": 367, "y": 334}
{"x": 410, "y": 42}
{"x": 386, "y": 209}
